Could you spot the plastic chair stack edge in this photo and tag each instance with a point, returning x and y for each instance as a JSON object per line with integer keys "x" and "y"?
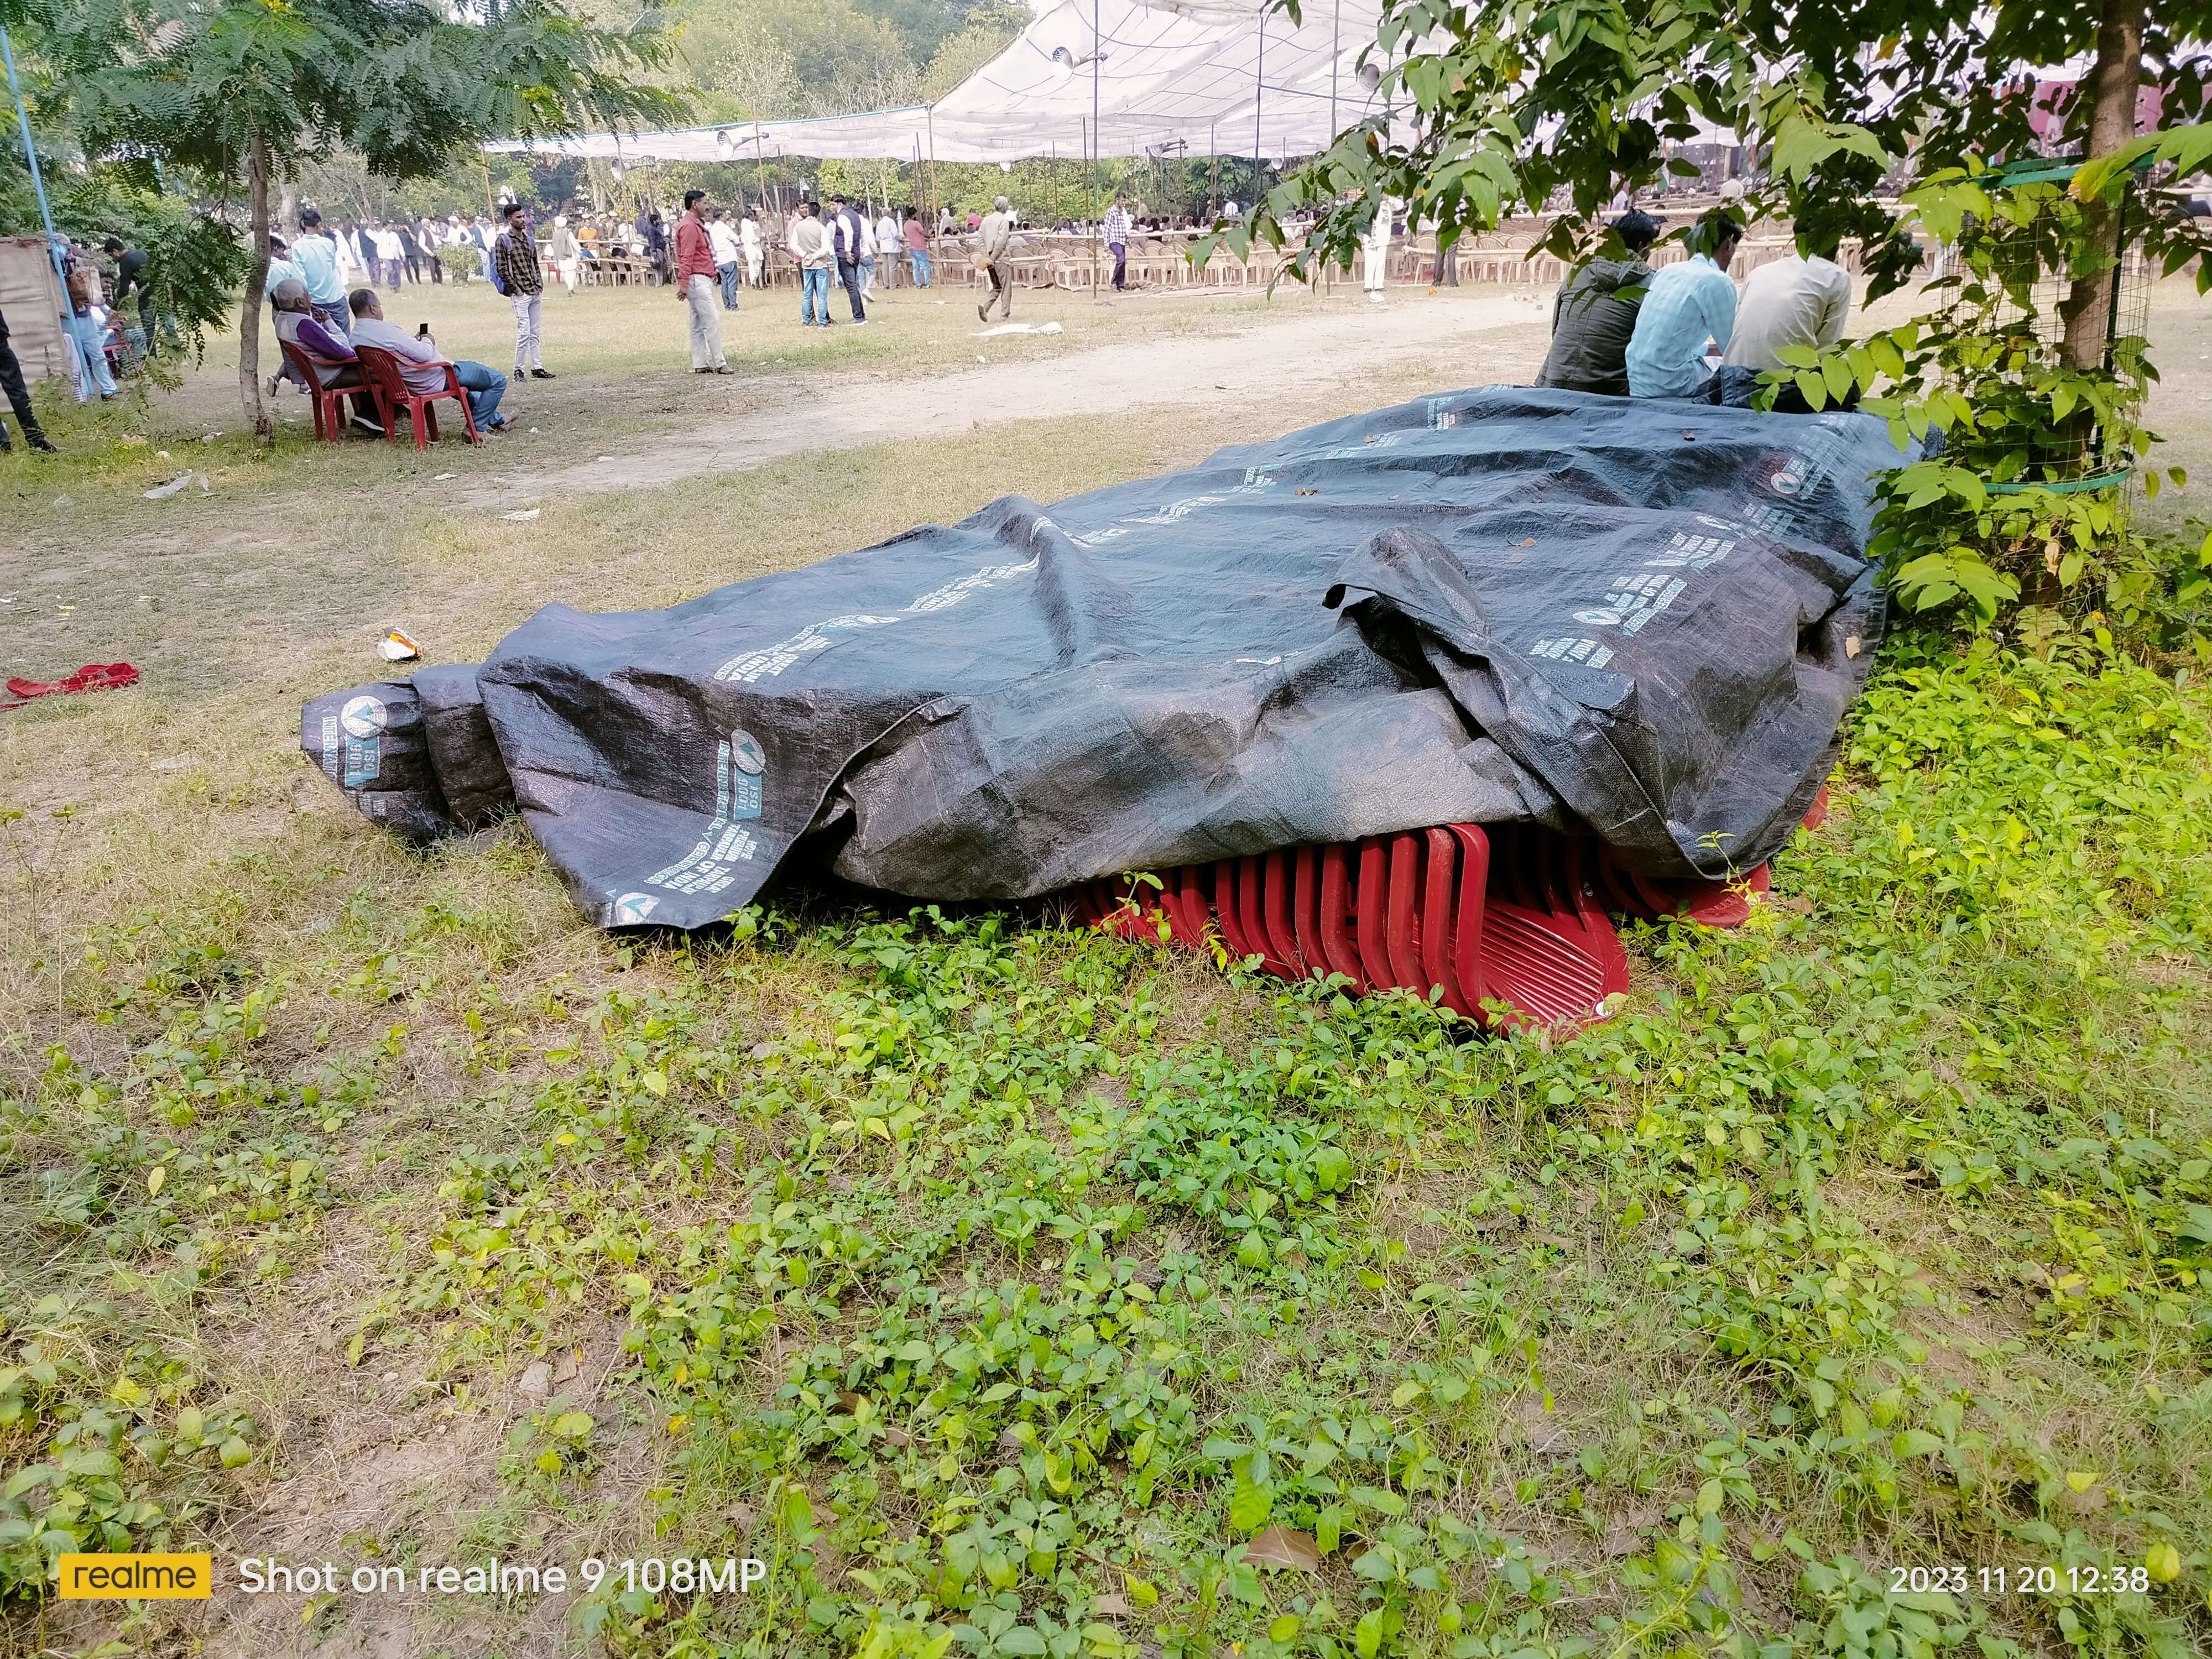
{"x": 1507, "y": 926}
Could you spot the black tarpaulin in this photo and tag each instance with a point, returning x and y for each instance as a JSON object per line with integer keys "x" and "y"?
{"x": 1639, "y": 618}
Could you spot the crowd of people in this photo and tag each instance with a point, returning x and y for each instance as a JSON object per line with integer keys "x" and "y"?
{"x": 100, "y": 285}
{"x": 1623, "y": 329}
{"x": 1620, "y": 327}
{"x": 317, "y": 312}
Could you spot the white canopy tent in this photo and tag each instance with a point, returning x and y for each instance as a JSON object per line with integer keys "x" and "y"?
{"x": 1087, "y": 77}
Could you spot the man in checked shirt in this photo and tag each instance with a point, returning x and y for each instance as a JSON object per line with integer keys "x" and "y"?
{"x": 522, "y": 279}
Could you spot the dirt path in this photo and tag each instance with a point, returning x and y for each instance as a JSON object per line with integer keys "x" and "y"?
{"x": 1288, "y": 360}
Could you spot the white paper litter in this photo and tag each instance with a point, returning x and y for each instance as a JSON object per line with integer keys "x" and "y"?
{"x": 170, "y": 489}
{"x": 523, "y": 517}
{"x": 442, "y": 476}
{"x": 1022, "y": 328}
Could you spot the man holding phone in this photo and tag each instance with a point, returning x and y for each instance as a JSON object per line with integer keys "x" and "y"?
{"x": 422, "y": 366}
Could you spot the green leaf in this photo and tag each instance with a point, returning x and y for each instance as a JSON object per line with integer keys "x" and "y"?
{"x": 571, "y": 1425}
{"x": 1916, "y": 1442}
{"x": 1387, "y": 1503}
{"x": 1250, "y": 1508}
{"x": 1022, "y": 1640}
{"x": 1377, "y": 1565}
{"x": 1329, "y": 1529}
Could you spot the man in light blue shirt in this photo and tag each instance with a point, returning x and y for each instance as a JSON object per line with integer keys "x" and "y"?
{"x": 316, "y": 256}
{"x": 1684, "y": 306}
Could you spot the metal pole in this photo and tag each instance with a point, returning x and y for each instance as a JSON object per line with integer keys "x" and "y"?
{"x": 80, "y": 372}
{"x": 1335, "y": 57}
{"x": 1089, "y": 207}
{"x": 1259, "y": 84}
{"x": 929, "y": 124}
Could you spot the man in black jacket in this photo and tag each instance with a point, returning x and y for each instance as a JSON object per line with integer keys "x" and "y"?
{"x": 1592, "y": 320}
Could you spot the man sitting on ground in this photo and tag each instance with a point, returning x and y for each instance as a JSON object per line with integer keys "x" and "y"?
{"x": 422, "y": 365}
{"x": 1800, "y": 300}
{"x": 1686, "y": 305}
{"x": 1592, "y": 320}
{"x": 335, "y": 365}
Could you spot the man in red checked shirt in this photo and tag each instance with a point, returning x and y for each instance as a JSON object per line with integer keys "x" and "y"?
{"x": 702, "y": 284}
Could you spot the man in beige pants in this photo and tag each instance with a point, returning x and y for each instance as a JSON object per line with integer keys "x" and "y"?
{"x": 994, "y": 240}
{"x": 701, "y": 284}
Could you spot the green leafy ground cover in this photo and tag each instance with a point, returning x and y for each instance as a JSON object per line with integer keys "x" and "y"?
{"x": 1012, "y": 1291}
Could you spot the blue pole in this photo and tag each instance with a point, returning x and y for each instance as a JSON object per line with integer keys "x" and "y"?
{"x": 46, "y": 214}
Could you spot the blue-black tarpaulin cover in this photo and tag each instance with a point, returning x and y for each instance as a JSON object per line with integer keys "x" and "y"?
{"x": 1642, "y": 620}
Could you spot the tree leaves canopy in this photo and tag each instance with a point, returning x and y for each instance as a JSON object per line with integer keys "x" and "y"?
{"x": 400, "y": 81}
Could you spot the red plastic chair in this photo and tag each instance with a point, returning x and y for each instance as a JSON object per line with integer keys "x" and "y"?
{"x": 382, "y": 369}
{"x": 329, "y": 400}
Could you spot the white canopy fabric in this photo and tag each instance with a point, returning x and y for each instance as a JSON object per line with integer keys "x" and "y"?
{"x": 1104, "y": 77}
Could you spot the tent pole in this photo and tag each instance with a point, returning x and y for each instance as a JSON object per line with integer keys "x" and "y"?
{"x": 1259, "y": 84}
{"x": 1090, "y": 207}
{"x": 1335, "y": 58}
{"x": 79, "y": 372}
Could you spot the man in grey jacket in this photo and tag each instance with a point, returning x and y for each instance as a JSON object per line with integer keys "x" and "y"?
{"x": 1592, "y": 320}
{"x": 994, "y": 240}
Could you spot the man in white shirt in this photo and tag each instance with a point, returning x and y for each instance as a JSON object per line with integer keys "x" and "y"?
{"x": 568, "y": 254}
{"x": 390, "y": 255}
{"x": 888, "y": 243}
{"x": 728, "y": 255}
{"x": 1375, "y": 248}
{"x": 748, "y": 242}
{"x": 867, "y": 249}
{"x": 1800, "y": 301}
{"x": 422, "y": 366}
{"x": 348, "y": 263}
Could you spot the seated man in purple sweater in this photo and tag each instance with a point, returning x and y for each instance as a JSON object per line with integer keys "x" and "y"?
{"x": 296, "y": 324}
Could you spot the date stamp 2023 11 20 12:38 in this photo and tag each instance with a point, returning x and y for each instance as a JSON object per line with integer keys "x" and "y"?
{"x": 2023, "y": 1579}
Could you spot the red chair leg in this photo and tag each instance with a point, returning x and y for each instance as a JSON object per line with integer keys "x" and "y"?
{"x": 1401, "y": 941}
{"x": 1226, "y": 910}
{"x": 1336, "y": 941}
{"x": 1468, "y": 965}
{"x": 1305, "y": 914}
{"x": 1437, "y": 931}
{"x": 1371, "y": 919}
{"x": 1277, "y": 875}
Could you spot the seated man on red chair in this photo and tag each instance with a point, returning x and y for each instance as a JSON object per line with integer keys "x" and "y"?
{"x": 296, "y": 324}
{"x": 421, "y": 363}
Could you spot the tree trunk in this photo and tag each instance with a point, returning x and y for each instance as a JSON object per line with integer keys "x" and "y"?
{"x": 2110, "y": 88}
{"x": 257, "y": 278}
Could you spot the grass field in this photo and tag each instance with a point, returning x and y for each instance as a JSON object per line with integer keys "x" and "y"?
{"x": 1008, "y": 1290}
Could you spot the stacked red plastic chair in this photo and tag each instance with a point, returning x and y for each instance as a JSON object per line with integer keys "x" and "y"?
{"x": 1507, "y": 925}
